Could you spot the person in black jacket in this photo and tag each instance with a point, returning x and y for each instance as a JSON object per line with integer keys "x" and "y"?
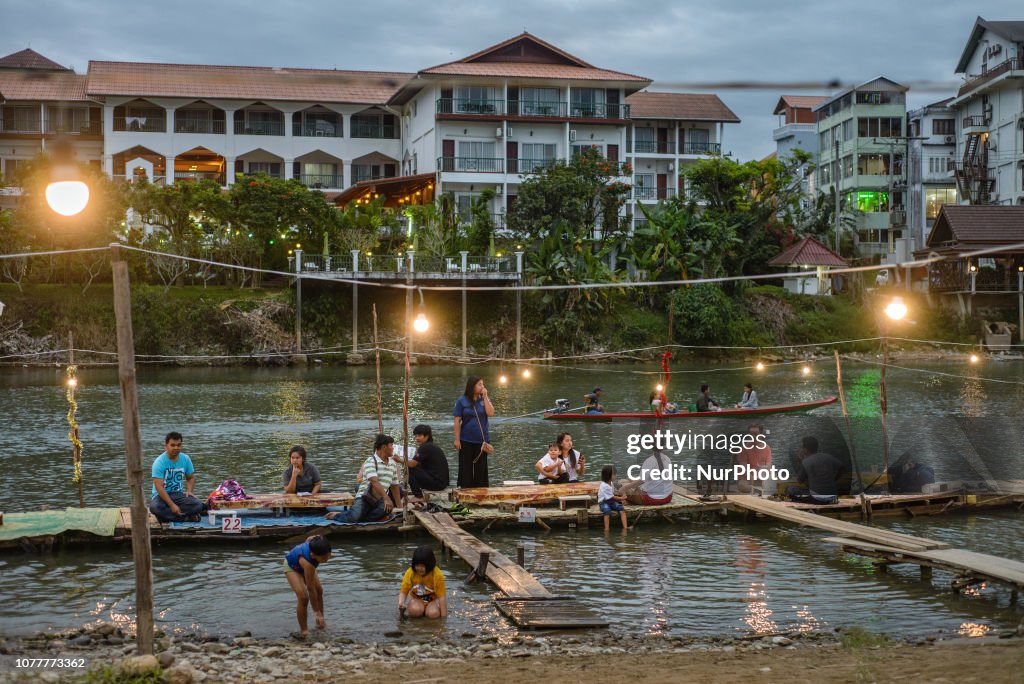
{"x": 429, "y": 468}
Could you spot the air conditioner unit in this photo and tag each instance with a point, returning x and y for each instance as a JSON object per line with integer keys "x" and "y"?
{"x": 508, "y": 132}
{"x": 996, "y": 49}
{"x": 671, "y": 166}
{"x": 572, "y": 135}
{"x": 991, "y": 144}
{"x": 949, "y": 139}
{"x": 498, "y": 132}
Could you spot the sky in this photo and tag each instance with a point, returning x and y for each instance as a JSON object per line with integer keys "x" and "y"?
{"x": 680, "y": 45}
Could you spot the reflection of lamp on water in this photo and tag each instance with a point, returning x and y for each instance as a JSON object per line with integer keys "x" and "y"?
{"x": 760, "y": 365}
{"x": 974, "y": 358}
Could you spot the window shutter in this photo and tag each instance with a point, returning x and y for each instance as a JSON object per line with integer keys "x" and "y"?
{"x": 296, "y": 169}
{"x": 613, "y": 153}
{"x": 447, "y": 148}
{"x": 390, "y": 171}
{"x": 512, "y": 156}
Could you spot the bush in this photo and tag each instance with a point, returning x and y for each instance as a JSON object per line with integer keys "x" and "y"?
{"x": 703, "y": 315}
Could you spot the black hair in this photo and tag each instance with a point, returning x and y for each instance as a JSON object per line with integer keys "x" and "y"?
{"x": 572, "y": 452}
{"x": 319, "y": 545}
{"x": 607, "y": 473}
{"x": 300, "y": 450}
{"x": 704, "y": 387}
{"x": 423, "y": 429}
{"x": 172, "y": 435}
{"x": 425, "y": 555}
{"x": 382, "y": 441}
{"x": 470, "y": 384}
{"x": 810, "y": 443}
{"x": 747, "y": 384}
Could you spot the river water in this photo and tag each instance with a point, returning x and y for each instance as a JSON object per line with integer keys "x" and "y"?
{"x": 702, "y": 577}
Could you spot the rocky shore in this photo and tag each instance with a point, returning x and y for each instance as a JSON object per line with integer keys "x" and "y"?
{"x": 188, "y": 658}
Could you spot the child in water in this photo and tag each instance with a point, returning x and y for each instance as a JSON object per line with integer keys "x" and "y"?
{"x": 607, "y": 501}
{"x": 423, "y": 591}
{"x": 300, "y": 566}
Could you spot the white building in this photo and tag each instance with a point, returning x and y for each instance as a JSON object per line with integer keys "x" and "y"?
{"x": 990, "y": 107}
{"x": 931, "y": 157}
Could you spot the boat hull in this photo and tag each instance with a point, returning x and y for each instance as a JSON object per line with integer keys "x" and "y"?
{"x": 724, "y": 413}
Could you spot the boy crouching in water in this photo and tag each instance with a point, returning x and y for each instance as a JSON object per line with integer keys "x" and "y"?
{"x": 300, "y": 566}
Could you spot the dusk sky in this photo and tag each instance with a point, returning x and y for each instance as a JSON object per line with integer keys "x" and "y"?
{"x": 679, "y": 45}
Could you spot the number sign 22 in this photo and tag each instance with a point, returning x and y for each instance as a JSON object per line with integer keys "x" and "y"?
{"x": 231, "y": 525}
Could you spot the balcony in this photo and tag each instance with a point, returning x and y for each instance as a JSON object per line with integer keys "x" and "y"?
{"x": 579, "y": 110}
{"x": 199, "y": 126}
{"x": 82, "y": 128}
{"x": 652, "y": 147}
{"x": 653, "y": 193}
{"x": 1012, "y": 64}
{"x": 21, "y": 126}
{"x": 700, "y": 148}
{"x": 537, "y": 108}
{"x": 380, "y": 131}
{"x": 898, "y": 217}
{"x": 140, "y": 124}
{"x": 198, "y": 176}
{"x": 473, "y": 107}
{"x": 321, "y": 180}
{"x": 470, "y": 164}
{"x": 524, "y": 166}
{"x": 975, "y": 124}
{"x": 312, "y": 130}
{"x": 259, "y": 128}
{"x": 362, "y": 176}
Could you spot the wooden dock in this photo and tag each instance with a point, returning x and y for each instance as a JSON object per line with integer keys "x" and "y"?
{"x": 526, "y": 601}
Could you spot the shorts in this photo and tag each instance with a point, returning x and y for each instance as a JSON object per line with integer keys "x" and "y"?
{"x": 609, "y": 505}
{"x": 288, "y": 568}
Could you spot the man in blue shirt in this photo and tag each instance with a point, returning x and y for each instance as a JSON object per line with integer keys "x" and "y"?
{"x": 173, "y": 482}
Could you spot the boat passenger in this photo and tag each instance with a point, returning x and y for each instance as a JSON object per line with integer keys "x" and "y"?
{"x": 649, "y": 490}
{"x": 551, "y": 467}
{"x": 174, "y": 480}
{"x": 300, "y": 566}
{"x": 608, "y": 501}
{"x": 575, "y": 462}
{"x": 379, "y": 491}
{"x": 428, "y": 469}
{"x": 300, "y": 477}
{"x": 705, "y": 402}
{"x": 820, "y": 471}
{"x": 423, "y": 592}
{"x": 593, "y": 404}
{"x": 749, "y": 399}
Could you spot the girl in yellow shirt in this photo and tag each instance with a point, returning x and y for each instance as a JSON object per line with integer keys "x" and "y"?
{"x": 423, "y": 591}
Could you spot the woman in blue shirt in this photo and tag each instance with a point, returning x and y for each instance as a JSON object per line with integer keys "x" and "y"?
{"x": 472, "y": 437}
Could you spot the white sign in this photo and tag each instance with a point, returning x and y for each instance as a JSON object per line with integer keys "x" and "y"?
{"x": 231, "y": 525}
{"x": 527, "y": 515}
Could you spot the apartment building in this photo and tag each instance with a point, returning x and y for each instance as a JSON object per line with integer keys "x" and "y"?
{"x": 931, "y": 157}
{"x": 798, "y": 131}
{"x": 486, "y": 121}
{"x": 990, "y": 120}
{"x": 861, "y": 151}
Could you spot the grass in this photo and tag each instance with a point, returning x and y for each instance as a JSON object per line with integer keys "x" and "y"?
{"x": 109, "y": 674}
{"x": 854, "y": 638}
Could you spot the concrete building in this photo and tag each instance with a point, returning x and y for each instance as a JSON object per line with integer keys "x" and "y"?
{"x": 862, "y": 148}
{"x": 798, "y": 131}
{"x": 990, "y": 107}
{"x": 931, "y": 158}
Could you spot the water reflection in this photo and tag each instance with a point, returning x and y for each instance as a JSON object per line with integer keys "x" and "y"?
{"x": 291, "y": 399}
{"x": 750, "y": 563}
{"x": 973, "y": 398}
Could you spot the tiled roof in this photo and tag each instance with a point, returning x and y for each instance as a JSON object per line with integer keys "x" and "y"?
{"x": 808, "y": 252}
{"x": 240, "y": 82}
{"x": 799, "y": 102}
{"x": 562, "y": 72}
{"x": 966, "y": 225}
{"x": 39, "y": 85}
{"x": 30, "y": 59}
{"x": 689, "y": 106}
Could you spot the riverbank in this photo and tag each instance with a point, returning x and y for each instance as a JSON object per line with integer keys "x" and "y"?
{"x": 414, "y": 655}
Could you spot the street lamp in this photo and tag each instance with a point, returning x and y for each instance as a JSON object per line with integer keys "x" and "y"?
{"x": 896, "y": 310}
{"x": 66, "y": 193}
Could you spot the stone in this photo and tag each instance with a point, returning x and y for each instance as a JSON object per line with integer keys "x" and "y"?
{"x": 488, "y": 647}
{"x": 84, "y": 640}
{"x": 166, "y": 659}
{"x": 781, "y": 641}
{"x": 49, "y": 676}
{"x": 244, "y": 641}
{"x": 105, "y": 628}
{"x": 394, "y": 634}
{"x": 216, "y": 647}
{"x": 246, "y": 633}
{"x": 319, "y": 645}
{"x": 138, "y": 665}
{"x": 188, "y": 647}
{"x": 179, "y": 674}
{"x": 272, "y": 652}
{"x": 163, "y": 643}
{"x": 115, "y": 640}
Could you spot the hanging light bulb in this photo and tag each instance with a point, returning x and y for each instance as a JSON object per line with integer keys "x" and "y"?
{"x": 526, "y": 372}
{"x": 760, "y": 365}
{"x": 896, "y": 309}
{"x": 503, "y": 379}
{"x": 421, "y": 324}
{"x": 659, "y": 387}
{"x": 974, "y": 358}
{"x": 806, "y": 370}
{"x": 66, "y": 194}
{"x": 72, "y": 382}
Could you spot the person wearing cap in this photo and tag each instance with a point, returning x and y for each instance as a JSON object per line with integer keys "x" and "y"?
{"x": 593, "y": 399}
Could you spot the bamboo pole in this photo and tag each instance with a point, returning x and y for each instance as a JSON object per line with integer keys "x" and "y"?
{"x": 849, "y": 431}
{"x": 380, "y": 400}
{"x": 141, "y": 551}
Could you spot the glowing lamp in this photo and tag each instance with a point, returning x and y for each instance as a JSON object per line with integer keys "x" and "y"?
{"x": 659, "y": 387}
{"x": 72, "y": 382}
{"x": 974, "y": 358}
{"x": 503, "y": 379}
{"x": 806, "y": 370}
{"x": 421, "y": 324}
{"x": 896, "y": 309}
{"x": 67, "y": 197}
{"x": 760, "y": 365}
{"x": 526, "y": 372}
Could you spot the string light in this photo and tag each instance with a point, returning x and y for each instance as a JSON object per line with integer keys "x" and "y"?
{"x": 526, "y": 372}
{"x": 974, "y": 358}
{"x": 806, "y": 370}
{"x": 760, "y": 366}
{"x": 659, "y": 387}
{"x": 503, "y": 379}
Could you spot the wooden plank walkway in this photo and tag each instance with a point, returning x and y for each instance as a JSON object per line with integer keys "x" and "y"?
{"x": 526, "y": 602}
{"x": 980, "y": 566}
{"x": 851, "y": 530}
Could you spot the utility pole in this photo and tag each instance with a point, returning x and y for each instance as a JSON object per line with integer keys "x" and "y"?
{"x": 835, "y": 182}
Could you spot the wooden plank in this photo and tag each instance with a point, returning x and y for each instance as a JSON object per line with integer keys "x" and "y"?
{"x": 553, "y": 614}
{"x": 483, "y": 496}
{"x": 847, "y": 529}
{"x": 282, "y": 500}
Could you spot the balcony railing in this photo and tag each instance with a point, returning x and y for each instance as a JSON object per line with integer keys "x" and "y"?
{"x": 311, "y": 130}
{"x": 449, "y": 105}
{"x": 467, "y": 219}
{"x": 652, "y": 147}
{"x": 21, "y": 125}
{"x": 321, "y": 180}
{"x": 700, "y": 148}
{"x": 537, "y": 108}
{"x": 471, "y": 164}
{"x": 1011, "y": 64}
{"x": 87, "y": 128}
{"x": 381, "y": 131}
{"x": 653, "y": 193}
{"x": 140, "y": 124}
{"x": 198, "y": 176}
{"x": 898, "y": 217}
{"x": 975, "y": 121}
{"x": 523, "y": 166}
{"x": 259, "y": 128}
{"x": 193, "y": 126}
{"x": 954, "y": 276}
{"x": 579, "y": 110}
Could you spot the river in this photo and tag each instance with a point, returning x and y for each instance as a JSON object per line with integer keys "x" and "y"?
{"x": 702, "y": 577}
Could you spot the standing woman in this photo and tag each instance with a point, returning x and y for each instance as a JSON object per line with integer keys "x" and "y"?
{"x": 472, "y": 437}
{"x": 575, "y": 462}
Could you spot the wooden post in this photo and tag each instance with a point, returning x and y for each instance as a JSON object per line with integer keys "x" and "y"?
{"x": 521, "y": 555}
{"x": 464, "y": 254}
{"x": 380, "y": 400}
{"x": 926, "y": 572}
{"x": 582, "y": 518}
{"x": 883, "y": 404}
{"x": 849, "y": 430}
{"x": 298, "y": 301}
{"x": 141, "y": 551}
{"x": 355, "y": 318}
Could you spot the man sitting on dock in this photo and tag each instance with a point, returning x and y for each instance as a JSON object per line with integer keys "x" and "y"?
{"x": 428, "y": 469}
{"x": 820, "y": 471}
{"x": 174, "y": 480}
{"x": 381, "y": 474}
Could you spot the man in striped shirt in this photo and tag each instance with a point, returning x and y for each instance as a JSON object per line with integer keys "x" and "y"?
{"x": 381, "y": 474}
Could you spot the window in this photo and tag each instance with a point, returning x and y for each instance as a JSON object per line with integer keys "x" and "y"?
{"x": 535, "y": 156}
{"x": 847, "y": 166}
{"x": 476, "y": 156}
{"x": 17, "y": 119}
{"x": 934, "y": 198}
{"x": 464, "y": 205}
{"x": 825, "y": 140}
{"x": 269, "y": 168}
{"x": 943, "y": 126}
{"x": 579, "y": 149}
{"x": 11, "y": 167}
{"x": 848, "y": 129}
{"x": 73, "y": 120}
{"x": 476, "y": 99}
{"x": 869, "y": 201}
{"x": 317, "y": 123}
{"x": 646, "y": 140}
{"x": 880, "y": 164}
{"x": 538, "y": 101}
{"x": 885, "y": 127}
{"x": 588, "y": 102}
{"x": 880, "y": 97}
